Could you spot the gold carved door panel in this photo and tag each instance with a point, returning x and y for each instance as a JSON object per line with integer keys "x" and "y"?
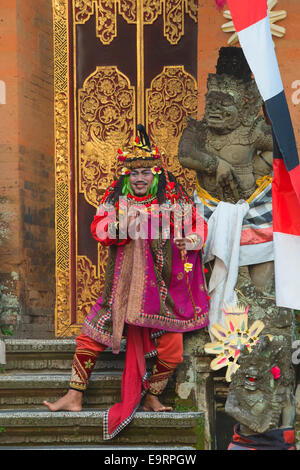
{"x": 117, "y": 63}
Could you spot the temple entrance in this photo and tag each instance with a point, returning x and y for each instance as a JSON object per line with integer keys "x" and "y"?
{"x": 117, "y": 64}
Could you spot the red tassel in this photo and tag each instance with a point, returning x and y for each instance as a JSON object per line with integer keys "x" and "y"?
{"x": 220, "y": 4}
{"x": 137, "y": 140}
{"x": 120, "y": 151}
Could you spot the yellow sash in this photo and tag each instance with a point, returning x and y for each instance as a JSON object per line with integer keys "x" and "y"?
{"x": 206, "y": 198}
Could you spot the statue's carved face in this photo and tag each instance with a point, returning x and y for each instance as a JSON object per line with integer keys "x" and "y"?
{"x": 251, "y": 379}
{"x": 221, "y": 111}
{"x": 256, "y": 398}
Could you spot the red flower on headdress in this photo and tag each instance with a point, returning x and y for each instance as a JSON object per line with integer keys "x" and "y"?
{"x": 156, "y": 170}
{"x": 121, "y": 155}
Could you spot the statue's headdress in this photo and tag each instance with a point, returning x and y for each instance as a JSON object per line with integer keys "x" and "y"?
{"x": 232, "y": 61}
{"x": 234, "y": 77}
{"x": 233, "y": 74}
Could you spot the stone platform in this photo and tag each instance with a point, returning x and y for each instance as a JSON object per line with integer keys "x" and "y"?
{"x": 38, "y": 370}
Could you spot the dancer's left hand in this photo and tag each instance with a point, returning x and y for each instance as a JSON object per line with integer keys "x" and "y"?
{"x": 180, "y": 243}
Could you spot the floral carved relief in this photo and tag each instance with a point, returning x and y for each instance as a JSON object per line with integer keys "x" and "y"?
{"x": 171, "y": 98}
{"x": 106, "y": 15}
{"x": 106, "y": 122}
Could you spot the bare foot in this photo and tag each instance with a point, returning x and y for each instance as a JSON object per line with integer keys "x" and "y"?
{"x": 72, "y": 401}
{"x": 152, "y": 403}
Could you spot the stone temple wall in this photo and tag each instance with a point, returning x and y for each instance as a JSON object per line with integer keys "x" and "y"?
{"x": 27, "y": 248}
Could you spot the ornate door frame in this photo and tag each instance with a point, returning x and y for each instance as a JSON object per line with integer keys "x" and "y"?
{"x": 163, "y": 107}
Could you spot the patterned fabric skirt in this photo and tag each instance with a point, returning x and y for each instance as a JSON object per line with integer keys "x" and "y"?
{"x": 275, "y": 439}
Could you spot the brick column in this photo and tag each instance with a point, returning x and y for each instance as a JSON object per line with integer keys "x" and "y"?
{"x": 27, "y": 249}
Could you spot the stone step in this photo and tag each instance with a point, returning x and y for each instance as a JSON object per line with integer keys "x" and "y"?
{"x": 43, "y": 428}
{"x": 28, "y": 355}
{"x": 30, "y": 390}
{"x": 38, "y": 370}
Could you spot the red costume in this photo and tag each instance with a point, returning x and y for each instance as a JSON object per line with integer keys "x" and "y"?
{"x": 151, "y": 296}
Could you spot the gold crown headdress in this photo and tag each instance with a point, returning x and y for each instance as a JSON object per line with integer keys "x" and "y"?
{"x": 141, "y": 155}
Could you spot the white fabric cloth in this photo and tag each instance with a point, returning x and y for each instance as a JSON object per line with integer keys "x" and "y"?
{"x": 287, "y": 262}
{"x": 257, "y": 44}
{"x": 223, "y": 245}
{"x": 256, "y": 254}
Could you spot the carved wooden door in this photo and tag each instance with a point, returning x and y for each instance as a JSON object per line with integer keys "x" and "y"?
{"x": 117, "y": 63}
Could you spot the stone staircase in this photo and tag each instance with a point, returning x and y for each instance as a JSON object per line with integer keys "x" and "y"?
{"x": 38, "y": 370}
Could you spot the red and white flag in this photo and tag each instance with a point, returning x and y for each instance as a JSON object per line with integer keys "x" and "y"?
{"x": 251, "y": 21}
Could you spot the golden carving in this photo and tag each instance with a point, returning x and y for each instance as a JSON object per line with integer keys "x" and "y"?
{"x": 106, "y": 25}
{"x": 59, "y": 9}
{"x": 128, "y": 9}
{"x": 106, "y": 121}
{"x": 174, "y": 11}
{"x": 174, "y": 20}
{"x": 106, "y": 15}
{"x": 192, "y": 9}
{"x": 62, "y": 167}
{"x": 61, "y": 137}
{"x": 89, "y": 284}
{"x": 62, "y": 226}
{"x": 87, "y": 287}
{"x": 152, "y": 9}
{"x": 140, "y": 72}
{"x": 170, "y": 99}
{"x": 63, "y": 302}
{"x": 83, "y": 10}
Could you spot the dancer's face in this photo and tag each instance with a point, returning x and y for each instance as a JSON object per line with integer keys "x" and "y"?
{"x": 140, "y": 180}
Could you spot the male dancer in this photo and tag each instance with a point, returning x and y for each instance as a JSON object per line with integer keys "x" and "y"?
{"x": 154, "y": 288}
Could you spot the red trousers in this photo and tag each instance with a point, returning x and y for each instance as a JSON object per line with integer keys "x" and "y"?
{"x": 169, "y": 347}
{"x": 169, "y": 355}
